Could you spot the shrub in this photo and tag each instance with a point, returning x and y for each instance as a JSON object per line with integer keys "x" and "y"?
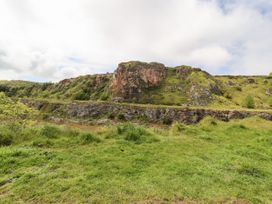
{"x": 50, "y": 131}
{"x": 238, "y": 88}
{"x": 249, "y": 102}
{"x": 87, "y": 138}
{"x": 5, "y": 139}
{"x": 42, "y": 143}
{"x": 104, "y": 96}
{"x": 121, "y": 117}
{"x": 135, "y": 134}
{"x": 111, "y": 116}
{"x": 227, "y": 95}
{"x": 81, "y": 96}
{"x": 167, "y": 121}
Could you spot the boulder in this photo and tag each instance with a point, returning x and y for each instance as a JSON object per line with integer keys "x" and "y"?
{"x": 131, "y": 78}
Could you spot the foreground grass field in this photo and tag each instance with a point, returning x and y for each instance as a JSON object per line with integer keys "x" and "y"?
{"x": 210, "y": 162}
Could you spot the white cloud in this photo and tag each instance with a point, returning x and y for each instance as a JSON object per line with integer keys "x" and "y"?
{"x": 55, "y": 39}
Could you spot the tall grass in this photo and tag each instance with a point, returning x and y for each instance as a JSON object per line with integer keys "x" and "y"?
{"x": 211, "y": 162}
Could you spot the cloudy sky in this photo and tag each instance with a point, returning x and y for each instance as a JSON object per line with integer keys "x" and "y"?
{"x": 48, "y": 40}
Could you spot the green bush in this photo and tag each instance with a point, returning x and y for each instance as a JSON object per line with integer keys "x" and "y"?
{"x": 121, "y": 117}
{"x": 82, "y": 96}
{"x": 249, "y": 102}
{"x": 87, "y": 138}
{"x": 42, "y": 143}
{"x": 50, "y": 131}
{"x": 167, "y": 121}
{"x": 135, "y": 134}
{"x": 104, "y": 96}
{"x": 5, "y": 139}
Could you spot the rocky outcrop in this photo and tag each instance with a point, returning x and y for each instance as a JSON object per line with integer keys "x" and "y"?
{"x": 131, "y": 78}
{"x": 153, "y": 114}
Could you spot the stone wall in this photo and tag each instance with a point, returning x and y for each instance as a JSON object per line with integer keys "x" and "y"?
{"x": 153, "y": 114}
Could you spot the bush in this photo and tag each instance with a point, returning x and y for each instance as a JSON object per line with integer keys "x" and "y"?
{"x": 121, "y": 117}
{"x": 50, "y": 131}
{"x": 135, "y": 134}
{"x": 227, "y": 95}
{"x": 104, "y": 96}
{"x": 5, "y": 139}
{"x": 87, "y": 138}
{"x": 249, "y": 102}
{"x": 82, "y": 96}
{"x": 42, "y": 143}
{"x": 167, "y": 121}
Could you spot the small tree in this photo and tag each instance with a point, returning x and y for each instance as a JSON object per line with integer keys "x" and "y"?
{"x": 249, "y": 102}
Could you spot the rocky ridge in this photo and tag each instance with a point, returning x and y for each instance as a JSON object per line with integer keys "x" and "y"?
{"x": 125, "y": 112}
{"x": 152, "y": 83}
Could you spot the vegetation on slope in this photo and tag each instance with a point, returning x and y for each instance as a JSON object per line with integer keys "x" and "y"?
{"x": 13, "y": 110}
{"x": 182, "y": 85}
{"x": 211, "y": 162}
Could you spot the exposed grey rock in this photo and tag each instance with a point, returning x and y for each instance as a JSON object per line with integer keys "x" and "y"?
{"x": 153, "y": 114}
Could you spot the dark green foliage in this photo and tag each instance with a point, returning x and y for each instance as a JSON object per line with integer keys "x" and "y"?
{"x": 167, "y": 121}
{"x": 251, "y": 171}
{"x": 81, "y": 95}
{"x": 104, "y": 96}
{"x": 87, "y": 138}
{"x": 5, "y": 139}
{"x": 111, "y": 116}
{"x": 42, "y": 143}
{"x": 121, "y": 117}
{"x": 50, "y": 131}
{"x": 134, "y": 133}
{"x": 249, "y": 102}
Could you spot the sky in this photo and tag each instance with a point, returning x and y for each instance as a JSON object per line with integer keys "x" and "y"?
{"x": 49, "y": 40}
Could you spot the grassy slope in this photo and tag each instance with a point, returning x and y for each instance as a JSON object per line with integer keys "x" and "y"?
{"x": 241, "y": 89}
{"x": 213, "y": 161}
{"x": 173, "y": 90}
{"x": 13, "y": 110}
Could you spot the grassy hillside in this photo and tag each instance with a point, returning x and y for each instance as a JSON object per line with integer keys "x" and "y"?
{"x": 210, "y": 162}
{"x": 238, "y": 88}
{"x": 13, "y": 110}
{"x": 80, "y": 88}
{"x": 183, "y": 85}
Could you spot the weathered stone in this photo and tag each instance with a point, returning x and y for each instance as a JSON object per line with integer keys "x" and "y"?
{"x": 268, "y": 91}
{"x": 230, "y": 83}
{"x": 153, "y": 114}
{"x": 132, "y": 78}
{"x": 250, "y": 81}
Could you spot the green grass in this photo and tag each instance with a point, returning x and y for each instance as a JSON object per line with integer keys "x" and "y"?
{"x": 213, "y": 161}
{"x": 10, "y": 109}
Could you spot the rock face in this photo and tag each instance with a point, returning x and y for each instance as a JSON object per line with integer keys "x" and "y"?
{"x": 131, "y": 78}
{"x": 154, "y": 114}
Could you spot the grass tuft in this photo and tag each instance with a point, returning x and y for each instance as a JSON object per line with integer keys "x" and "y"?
{"x": 88, "y": 138}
